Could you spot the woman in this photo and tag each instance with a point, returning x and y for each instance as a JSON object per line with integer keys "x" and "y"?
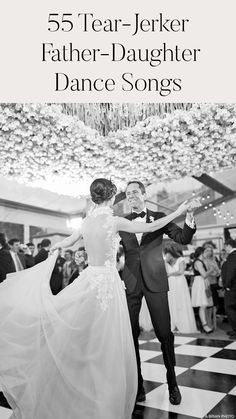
{"x": 72, "y": 355}
{"x": 211, "y": 264}
{"x": 181, "y": 311}
{"x": 201, "y": 294}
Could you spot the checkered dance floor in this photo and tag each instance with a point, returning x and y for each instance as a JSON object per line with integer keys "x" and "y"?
{"x": 206, "y": 375}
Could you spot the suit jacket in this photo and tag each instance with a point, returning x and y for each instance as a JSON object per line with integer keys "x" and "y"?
{"x": 29, "y": 261}
{"x": 57, "y": 276}
{"x": 229, "y": 271}
{"x": 41, "y": 256}
{"x": 7, "y": 264}
{"x": 146, "y": 260}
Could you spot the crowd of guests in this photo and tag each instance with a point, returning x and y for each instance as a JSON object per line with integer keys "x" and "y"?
{"x": 206, "y": 287}
{"x": 15, "y": 256}
{"x": 198, "y": 290}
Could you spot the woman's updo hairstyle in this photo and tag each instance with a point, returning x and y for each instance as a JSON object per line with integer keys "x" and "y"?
{"x": 102, "y": 190}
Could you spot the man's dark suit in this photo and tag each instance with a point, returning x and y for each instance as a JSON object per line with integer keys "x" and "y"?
{"x": 56, "y": 277}
{"x": 229, "y": 282}
{"x": 7, "y": 264}
{"x": 144, "y": 274}
{"x": 41, "y": 256}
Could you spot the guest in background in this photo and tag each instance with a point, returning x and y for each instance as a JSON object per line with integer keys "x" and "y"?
{"x": 31, "y": 248}
{"x": 201, "y": 291}
{"x": 11, "y": 260}
{"x": 39, "y": 247}
{"x": 57, "y": 274}
{"x": 213, "y": 277}
{"x": 120, "y": 260}
{"x": 6, "y": 264}
{"x": 28, "y": 250}
{"x": 212, "y": 245}
{"x": 81, "y": 263}
{"x": 17, "y": 256}
{"x": 81, "y": 258}
{"x": 189, "y": 270}
{"x": 43, "y": 252}
{"x": 222, "y": 256}
{"x": 221, "y": 290}
{"x": 68, "y": 267}
{"x": 229, "y": 282}
{"x": 181, "y": 311}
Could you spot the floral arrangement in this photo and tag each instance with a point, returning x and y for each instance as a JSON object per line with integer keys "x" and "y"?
{"x": 40, "y": 145}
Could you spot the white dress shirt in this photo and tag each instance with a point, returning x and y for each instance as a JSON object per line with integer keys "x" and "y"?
{"x": 16, "y": 260}
{"x": 140, "y": 220}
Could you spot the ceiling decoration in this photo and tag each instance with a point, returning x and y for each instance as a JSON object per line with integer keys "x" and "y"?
{"x": 43, "y": 146}
{"x": 107, "y": 117}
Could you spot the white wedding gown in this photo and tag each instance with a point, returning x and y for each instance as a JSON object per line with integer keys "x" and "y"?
{"x": 69, "y": 356}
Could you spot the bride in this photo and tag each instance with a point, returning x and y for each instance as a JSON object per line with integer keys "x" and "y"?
{"x": 72, "y": 355}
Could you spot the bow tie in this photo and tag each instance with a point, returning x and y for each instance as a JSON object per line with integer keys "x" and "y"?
{"x": 138, "y": 215}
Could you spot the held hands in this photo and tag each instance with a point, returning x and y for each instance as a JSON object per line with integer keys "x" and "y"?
{"x": 195, "y": 203}
{"x": 188, "y": 206}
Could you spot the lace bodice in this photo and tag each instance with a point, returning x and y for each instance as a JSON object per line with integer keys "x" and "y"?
{"x": 100, "y": 237}
{"x": 101, "y": 243}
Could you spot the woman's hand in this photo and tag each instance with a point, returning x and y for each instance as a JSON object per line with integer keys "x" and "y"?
{"x": 183, "y": 207}
{"x": 188, "y": 206}
{"x": 54, "y": 247}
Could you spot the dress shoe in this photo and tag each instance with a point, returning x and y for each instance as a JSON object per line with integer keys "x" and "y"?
{"x": 141, "y": 396}
{"x": 175, "y": 396}
{"x": 206, "y": 329}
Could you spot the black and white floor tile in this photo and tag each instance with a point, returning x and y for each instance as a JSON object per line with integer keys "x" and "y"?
{"x": 206, "y": 374}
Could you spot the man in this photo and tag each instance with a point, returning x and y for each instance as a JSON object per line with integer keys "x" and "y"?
{"x": 229, "y": 283}
{"x": 57, "y": 274}
{"x": 144, "y": 275}
{"x": 31, "y": 248}
{"x": 28, "y": 250}
{"x": 10, "y": 258}
{"x": 43, "y": 252}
